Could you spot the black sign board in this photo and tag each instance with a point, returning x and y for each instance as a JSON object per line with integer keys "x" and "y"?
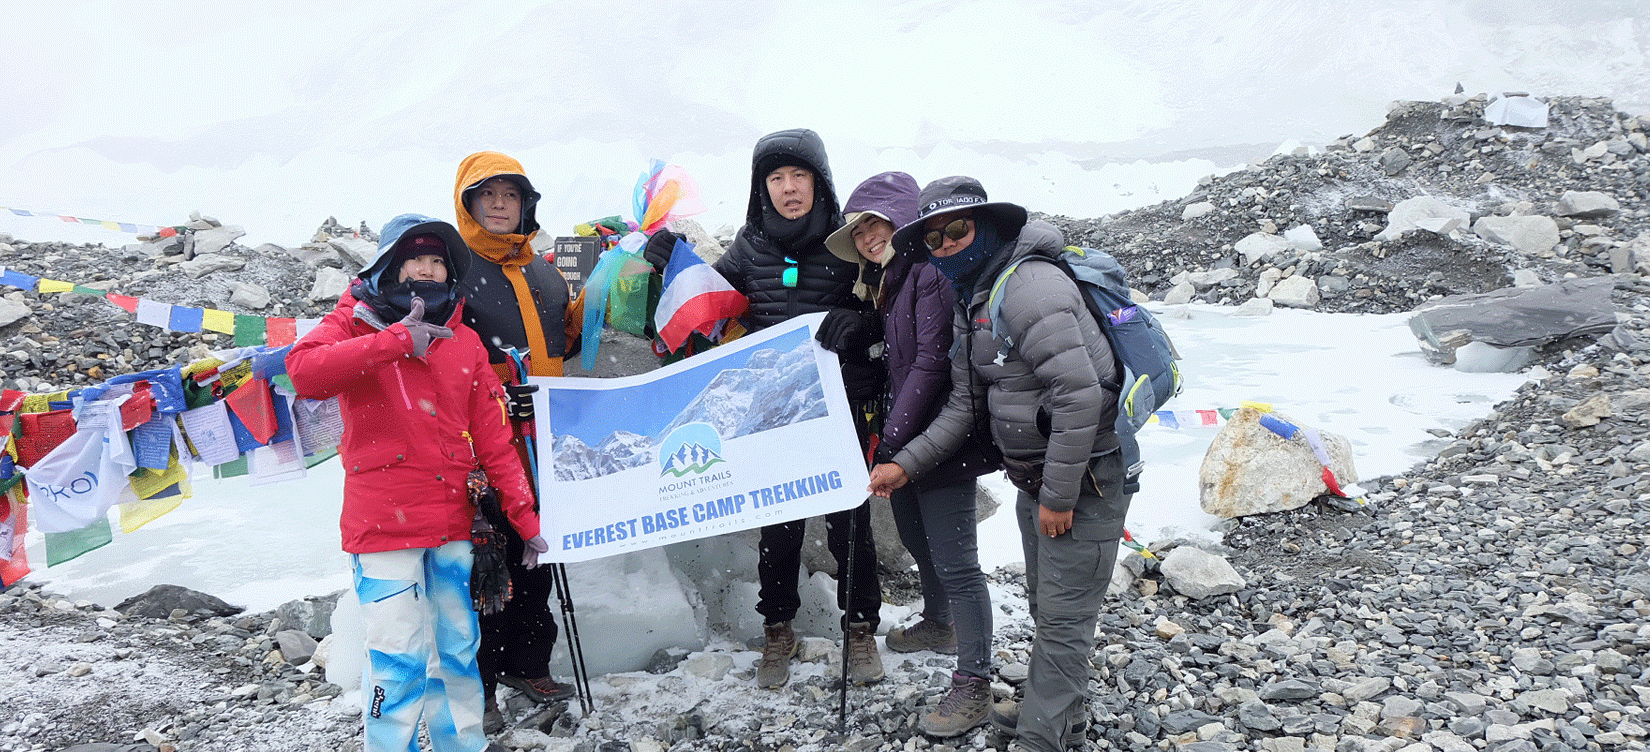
{"x": 576, "y": 257}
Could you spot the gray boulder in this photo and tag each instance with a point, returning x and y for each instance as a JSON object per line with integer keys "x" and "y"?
{"x": 1295, "y": 292}
{"x": 1514, "y": 317}
{"x": 1393, "y": 160}
{"x": 212, "y": 263}
{"x": 160, "y": 601}
{"x": 1250, "y": 469}
{"x": 1587, "y": 204}
{"x": 1199, "y": 574}
{"x": 1531, "y": 234}
{"x": 312, "y": 615}
{"x": 355, "y": 250}
{"x": 248, "y": 295}
{"x": 1407, "y": 215}
{"x": 216, "y": 239}
{"x": 1195, "y": 210}
{"x": 329, "y": 284}
{"x": 12, "y": 311}
{"x": 296, "y": 646}
{"x": 1257, "y": 246}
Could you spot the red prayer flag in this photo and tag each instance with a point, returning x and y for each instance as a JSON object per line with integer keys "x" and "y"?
{"x": 124, "y": 301}
{"x": 255, "y": 406}
{"x": 281, "y": 332}
{"x": 40, "y": 433}
{"x": 16, "y": 516}
{"x": 138, "y": 408}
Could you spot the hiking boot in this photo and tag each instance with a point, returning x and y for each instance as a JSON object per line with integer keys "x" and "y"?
{"x": 963, "y": 708}
{"x": 778, "y": 645}
{"x": 492, "y": 721}
{"x": 927, "y": 634}
{"x": 1006, "y": 715}
{"x": 541, "y": 690}
{"x": 864, "y": 662}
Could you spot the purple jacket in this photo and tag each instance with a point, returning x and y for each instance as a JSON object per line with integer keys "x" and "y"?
{"x": 916, "y": 318}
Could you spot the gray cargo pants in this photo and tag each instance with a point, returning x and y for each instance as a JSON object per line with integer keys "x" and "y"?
{"x": 1066, "y": 579}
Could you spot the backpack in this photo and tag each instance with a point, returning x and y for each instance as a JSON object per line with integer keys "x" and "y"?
{"x": 1145, "y": 356}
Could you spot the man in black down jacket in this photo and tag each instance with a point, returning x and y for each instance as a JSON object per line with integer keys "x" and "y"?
{"x": 779, "y": 262}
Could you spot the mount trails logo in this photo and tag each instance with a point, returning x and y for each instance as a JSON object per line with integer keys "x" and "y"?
{"x": 691, "y": 449}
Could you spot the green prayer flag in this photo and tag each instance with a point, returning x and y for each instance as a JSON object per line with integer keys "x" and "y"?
{"x": 320, "y": 457}
{"x": 250, "y": 330}
{"x": 231, "y": 469}
{"x": 61, "y": 547}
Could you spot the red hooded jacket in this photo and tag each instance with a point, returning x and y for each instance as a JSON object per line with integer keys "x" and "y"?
{"x": 405, "y": 455}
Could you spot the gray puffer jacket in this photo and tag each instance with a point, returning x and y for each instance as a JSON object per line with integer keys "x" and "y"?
{"x": 1049, "y": 398}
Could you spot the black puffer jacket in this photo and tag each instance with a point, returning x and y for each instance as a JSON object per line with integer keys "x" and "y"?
{"x": 755, "y": 265}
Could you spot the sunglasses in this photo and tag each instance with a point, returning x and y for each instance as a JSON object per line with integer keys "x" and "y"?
{"x": 954, "y": 231}
{"x": 788, "y": 277}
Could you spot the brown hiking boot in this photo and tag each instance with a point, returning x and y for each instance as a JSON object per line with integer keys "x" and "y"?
{"x": 1006, "y": 717}
{"x": 540, "y": 690}
{"x": 963, "y": 708}
{"x": 778, "y": 646}
{"x": 924, "y": 635}
{"x": 864, "y": 662}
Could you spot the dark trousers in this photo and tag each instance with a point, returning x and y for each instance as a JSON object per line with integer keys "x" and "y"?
{"x": 938, "y": 527}
{"x": 781, "y": 555}
{"x": 517, "y": 640}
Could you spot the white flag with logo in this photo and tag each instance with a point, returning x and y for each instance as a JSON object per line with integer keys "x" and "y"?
{"x": 76, "y": 483}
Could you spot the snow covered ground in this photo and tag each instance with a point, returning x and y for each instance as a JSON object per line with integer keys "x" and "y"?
{"x": 274, "y": 116}
{"x": 1360, "y": 376}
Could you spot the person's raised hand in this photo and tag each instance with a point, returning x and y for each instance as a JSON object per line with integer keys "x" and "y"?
{"x": 421, "y": 331}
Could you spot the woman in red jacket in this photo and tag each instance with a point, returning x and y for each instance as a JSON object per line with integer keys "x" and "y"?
{"x": 421, "y": 407}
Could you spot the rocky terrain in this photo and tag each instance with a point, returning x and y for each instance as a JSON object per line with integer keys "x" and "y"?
{"x": 1496, "y": 597}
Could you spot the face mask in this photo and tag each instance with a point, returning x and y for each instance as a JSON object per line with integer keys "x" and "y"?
{"x": 438, "y": 299}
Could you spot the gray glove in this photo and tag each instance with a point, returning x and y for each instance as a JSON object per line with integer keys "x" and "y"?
{"x": 530, "y": 550}
{"x": 421, "y": 331}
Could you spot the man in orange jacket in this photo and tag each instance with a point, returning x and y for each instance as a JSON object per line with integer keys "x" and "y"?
{"x": 514, "y": 298}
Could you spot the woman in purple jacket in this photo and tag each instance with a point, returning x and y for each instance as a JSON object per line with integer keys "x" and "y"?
{"x": 935, "y": 516}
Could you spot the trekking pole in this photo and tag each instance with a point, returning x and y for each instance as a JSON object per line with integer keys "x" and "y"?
{"x": 847, "y": 582}
{"x": 558, "y": 573}
{"x": 575, "y": 648}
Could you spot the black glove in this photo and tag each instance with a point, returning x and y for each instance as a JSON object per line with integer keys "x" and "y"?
{"x": 421, "y": 331}
{"x": 863, "y": 381}
{"x": 489, "y": 575}
{"x": 521, "y": 401}
{"x": 845, "y": 329}
{"x": 658, "y": 249}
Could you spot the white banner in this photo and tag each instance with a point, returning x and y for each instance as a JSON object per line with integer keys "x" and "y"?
{"x": 752, "y": 433}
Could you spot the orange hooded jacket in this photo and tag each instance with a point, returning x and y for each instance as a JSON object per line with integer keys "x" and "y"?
{"x": 514, "y": 296}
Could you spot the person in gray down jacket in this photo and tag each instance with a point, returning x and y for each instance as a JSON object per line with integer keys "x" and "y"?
{"x": 935, "y": 516}
{"x": 1050, "y": 402}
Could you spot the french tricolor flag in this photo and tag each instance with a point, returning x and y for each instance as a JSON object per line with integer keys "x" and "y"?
{"x": 694, "y": 298}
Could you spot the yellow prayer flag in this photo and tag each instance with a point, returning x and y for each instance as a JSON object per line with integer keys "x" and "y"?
{"x": 53, "y": 285}
{"x": 147, "y": 482}
{"x": 136, "y": 514}
{"x": 218, "y": 321}
{"x": 204, "y": 364}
